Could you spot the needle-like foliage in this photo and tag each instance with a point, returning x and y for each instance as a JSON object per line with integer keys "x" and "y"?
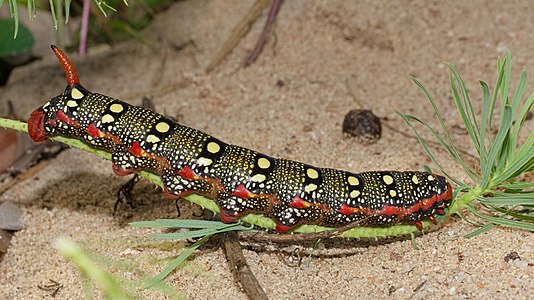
{"x": 505, "y": 152}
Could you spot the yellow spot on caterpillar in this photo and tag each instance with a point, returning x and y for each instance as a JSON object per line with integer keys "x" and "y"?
{"x": 264, "y": 163}
{"x": 152, "y": 138}
{"x": 313, "y": 174}
{"x": 213, "y": 147}
{"x": 431, "y": 178}
{"x": 76, "y": 94}
{"x": 162, "y": 127}
{"x": 415, "y": 179}
{"x": 202, "y": 161}
{"x": 108, "y": 119}
{"x": 355, "y": 194}
{"x": 387, "y": 179}
{"x": 310, "y": 187}
{"x": 72, "y": 103}
{"x": 116, "y": 107}
{"x": 353, "y": 180}
{"x": 258, "y": 178}
{"x": 393, "y": 193}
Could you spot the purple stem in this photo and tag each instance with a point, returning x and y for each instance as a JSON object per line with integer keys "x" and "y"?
{"x": 85, "y": 25}
{"x": 273, "y": 11}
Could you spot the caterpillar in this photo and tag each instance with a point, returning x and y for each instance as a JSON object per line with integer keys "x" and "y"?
{"x": 238, "y": 179}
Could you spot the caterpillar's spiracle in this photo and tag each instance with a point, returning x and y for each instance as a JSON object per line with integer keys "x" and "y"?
{"x": 238, "y": 179}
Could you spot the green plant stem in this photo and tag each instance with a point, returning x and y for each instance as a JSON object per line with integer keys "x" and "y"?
{"x": 466, "y": 198}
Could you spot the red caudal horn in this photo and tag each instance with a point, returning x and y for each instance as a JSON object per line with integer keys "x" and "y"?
{"x": 70, "y": 73}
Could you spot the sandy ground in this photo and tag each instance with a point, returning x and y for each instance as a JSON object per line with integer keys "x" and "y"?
{"x": 324, "y": 59}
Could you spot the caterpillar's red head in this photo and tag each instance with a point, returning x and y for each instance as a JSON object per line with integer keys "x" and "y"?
{"x": 44, "y": 120}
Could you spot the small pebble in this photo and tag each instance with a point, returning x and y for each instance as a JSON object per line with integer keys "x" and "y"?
{"x": 363, "y": 125}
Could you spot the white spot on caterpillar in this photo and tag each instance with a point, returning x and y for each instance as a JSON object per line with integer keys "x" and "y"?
{"x": 415, "y": 180}
{"x": 213, "y": 147}
{"x": 387, "y": 179}
{"x": 116, "y": 108}
{"x": 162, "y": 127}
{"x": 353, "y": 180}
{"x": 108, "y": 119}
{"x": 264, "y": 163}
{"x": 72, "y": 103}
{"x": 355, "y": 194}
{"x": 258, "y": 178}
{"x": 152, "y": 139}
{"x": 310, "y": 187}
{"x": 393, "y": 193}
{"x": 431, "y": 178}
{"x": 313, "y": 174}
{"x": 202, "y": 161}
{"x": 76, "y": 94}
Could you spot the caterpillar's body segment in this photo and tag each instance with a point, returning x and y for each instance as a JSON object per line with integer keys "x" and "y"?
{"x": 238, "y": 179}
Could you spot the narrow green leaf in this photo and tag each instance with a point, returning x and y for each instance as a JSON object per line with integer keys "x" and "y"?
{"x": 517, "y": 185}
{"x": 502, "y": 221}
{"x": 518, "y": 95}
{"x": 495, "y": 148}
{"x": 498, "y": 84}
{"x": 175, "y": 223}
{"x": 175, "y": 263}
{"x": 15, "y": 15}
{"x": 480, "y": 230}
{"x": 467, "y": 106}
{"x": 485, "y": 166}
{"x": 407, "y": 119}
{"x": 30, "y": 6}
{"x": 197, "y": 233}
{"x": 67, "y": 10}
{"x": 53, "y": 11}
{"x": 463, "y": 114}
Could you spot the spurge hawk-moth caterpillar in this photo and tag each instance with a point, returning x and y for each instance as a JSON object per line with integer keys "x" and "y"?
{"x": 238, "y": 179}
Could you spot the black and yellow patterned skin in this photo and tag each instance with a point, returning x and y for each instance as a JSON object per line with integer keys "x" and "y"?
{"x": 238, "y": 179}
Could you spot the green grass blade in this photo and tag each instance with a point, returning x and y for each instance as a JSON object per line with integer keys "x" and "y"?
{"x": 15, "y": 15}
{"x": 53, "y": 11}
{"x": 110, "y": 287}
{"x": 67, "y": 10}
{"x": 175, "y": 263}
{"x": 30, "y": 6}
{"x": 175, "y": 223}
{"x": 197, "y": 233}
